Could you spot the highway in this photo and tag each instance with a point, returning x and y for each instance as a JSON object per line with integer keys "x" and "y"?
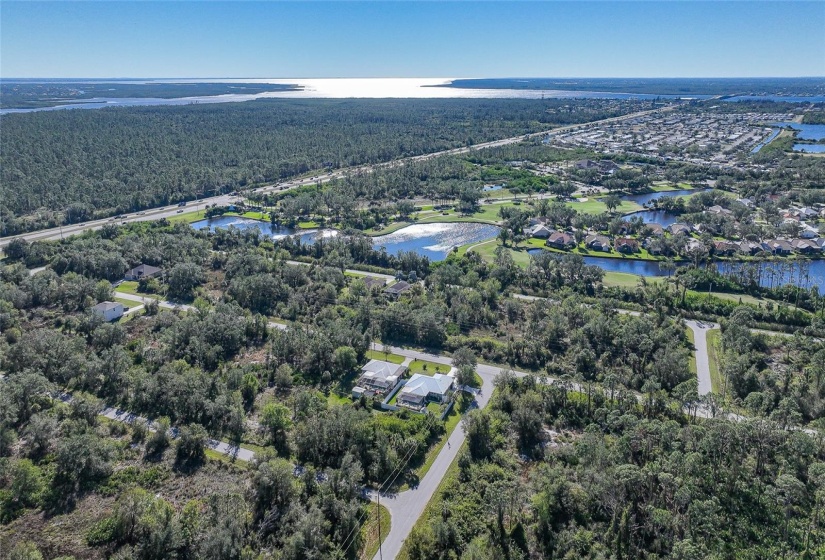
{"x": 225, "y": 199}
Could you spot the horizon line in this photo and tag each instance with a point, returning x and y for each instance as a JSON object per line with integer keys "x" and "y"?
{"x": 408, "y": 78}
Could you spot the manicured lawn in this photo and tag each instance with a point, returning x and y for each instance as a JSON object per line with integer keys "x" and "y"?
{"x": 714, "y": 337}
{"x": 692, "y": 340}
{"x": 188, "y": 217}
{"x": 260, "y": 216}
{"x": 131, "y": 287}
{"x": 664, "y": 186}
{"x": 428, "y": 368}
{"x": 385, "y": 357}
{"x": 487, "y": 250}
{"x": 620, "y": 279}
{"x": 128, "y": 287}
{"x": 127, "y": 302}
{"x": 596, "y": 206}
{"x": 369, "y": 530}
{"x": 485, "y": 213}
{"x": 308, "y": 225}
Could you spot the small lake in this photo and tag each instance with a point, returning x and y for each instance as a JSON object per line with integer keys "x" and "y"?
{"x": 644, "y": 198}
{"x": 490, "y": 188}
{"x": 274, "y": 232}
{"x": 773, "y": 273}
{"x": 809, "y": 148}
{"x": 661, "y": 217}
{"x": 806, "y": 131}
{"x": 435, "y": 240}
{"x": 657, "y": 216}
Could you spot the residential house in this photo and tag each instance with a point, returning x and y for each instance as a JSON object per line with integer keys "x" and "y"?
{"x": 607, "y": 166}
{"x": 109, "y": 310}
{"x": 586, "y": 164}
{"x": 746, "y": 201}
{"x": 809, "y": 232}
{"x": 142, "y": 271}
{"x": 725, "y": 248}
{"x": 541, "y": 231}
{"x": 656, "y": 229}
{"x": 779, "y": 246}
{"x": 597, "y": 242}
{"x": 805, "y": 246}
{"x": 693, "y": 245}
{"x": 679, "y": 229}
{"x": 561, "y": 240}
{"x": 626, "y": 245}
{"x": 374, "y": 283}
{"x": 378, "y": 378}
{"x": 624, "y": 228}
{"x": 397, "y": 289}
{"x": 423, "y": 389}
{"x": 716, "y": 209}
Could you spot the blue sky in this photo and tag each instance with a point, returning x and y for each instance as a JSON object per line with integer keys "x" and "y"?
{"x": 400, "y": 39}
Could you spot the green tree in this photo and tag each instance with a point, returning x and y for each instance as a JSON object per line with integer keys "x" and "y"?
{"x": 191, "y": 446}
{"x": 275, "y": 418}
{"x": 182, "y": 280}
{"x": 612, "y": 202}
{"x": 344, "y": 361}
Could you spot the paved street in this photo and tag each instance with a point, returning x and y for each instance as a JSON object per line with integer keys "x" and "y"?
{"x": 700, "y": 341}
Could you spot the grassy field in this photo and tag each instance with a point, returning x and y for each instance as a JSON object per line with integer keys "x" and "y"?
{"x": 714, "y": 337}
{"x": 692, "y": 340}
{"x": 428, "y": 368}
{"x": 189, "y": 217}
{"x": 385, "y": 356}
{"x": 595, "y": 206}
{"x": 624, "y": 279}
{"x": 377, "y": 516}
{"x": 664, "y": 186}
{"x": 127, "y": 302}
{"x": 487, "y": 250}
{"x": 487, "y": 213}
{"x": 334, "y": 399}
{"x": 131, "y": 287}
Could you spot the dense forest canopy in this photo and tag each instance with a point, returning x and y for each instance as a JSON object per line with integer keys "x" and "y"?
{"x": 552, "y": 473}
{"x": 116, "y": 160}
